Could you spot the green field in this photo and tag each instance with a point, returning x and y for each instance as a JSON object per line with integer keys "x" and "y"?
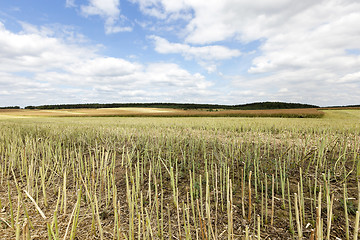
{"x": 179, "y": 178}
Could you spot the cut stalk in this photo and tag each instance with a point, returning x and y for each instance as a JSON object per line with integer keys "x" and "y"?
{"x": 356, "y": 228}
{"x": 242, "y": 193}
{"x": 249, "y": 213}
{"x": 329, "y": 217}
{"x": 346, "y": 214}
{"x": 272, "y": 201}
{"x": 299, "y": 227}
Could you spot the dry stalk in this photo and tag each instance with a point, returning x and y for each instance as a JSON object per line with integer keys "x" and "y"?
{"x": 249, "y": 214}
{"x": 242, "y": 193}
{"x": 299, "y": 227}
{"x": 356, "y": 228}
{"x": 272, "y": 201}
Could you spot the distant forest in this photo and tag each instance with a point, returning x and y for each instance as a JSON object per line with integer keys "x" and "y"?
{"x": 185, "y": 106}
{"x": 10, "y": 107}
{"x": 347, "y": 106}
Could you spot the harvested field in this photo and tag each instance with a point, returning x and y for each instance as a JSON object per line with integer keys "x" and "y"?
{"x": 164, "y": 112}
{"x": 179, "y": 178}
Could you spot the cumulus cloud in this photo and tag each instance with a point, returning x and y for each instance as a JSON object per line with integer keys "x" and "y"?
{"x": 35, "y": 51}
{"x": 165, "y": 9}
{"x": 109, "y": 10}
{"x": 70, "y": 3}
{"x": 303, "y": 43}
{"x": 305, "y": 51}
{"x": 351, "y": 78}
{"x": 160, "y": 74}
{"x": 149, "y": 83}
{"x": 104, "y": 66}
{"x": 206, "y": 56}
{"x": 212, "y": 52}
{"x": 39, "y": 68}
{"x": 219, "y": 20}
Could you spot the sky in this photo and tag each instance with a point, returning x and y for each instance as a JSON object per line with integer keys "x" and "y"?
{"x": 179, "y": 51}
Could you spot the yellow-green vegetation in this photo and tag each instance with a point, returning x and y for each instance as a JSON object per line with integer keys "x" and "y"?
{"x": 180, "y": 178}
{"x": 161, "y": 112}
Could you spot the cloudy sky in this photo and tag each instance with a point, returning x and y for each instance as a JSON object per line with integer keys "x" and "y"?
{"x": 198, "y": 51}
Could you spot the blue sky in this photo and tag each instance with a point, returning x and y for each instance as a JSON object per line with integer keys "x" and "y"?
{"x": 203, "y": 51}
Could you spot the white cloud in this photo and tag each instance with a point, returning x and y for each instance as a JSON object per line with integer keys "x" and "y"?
{"x": 104, "y": 8}
{"x": 104, "y": 66}
{"x": 70, "y": 3}
{"x": 156, "y": 82}
{"x": 67, "y": 33}
{"x": 204, "y": 55}
{"x": 303, "y": 43}
{"x": 165, "y": 9}
{"x": 39, "y": 68}
{"x": 212, "y": 52}
{"x": 215, "y": 20}
{"x": 109, "y": 10}
{"x": 35, "y": 51}
{"x": 307, "y": 52}
{"x": 171, "y": 75}
{"x": 351, "y": 78}
{"x": 283, "y": 90}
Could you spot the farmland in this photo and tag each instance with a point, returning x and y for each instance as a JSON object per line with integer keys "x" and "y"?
{"x": 161, "y": 112}
{"x": 66, "y": 175}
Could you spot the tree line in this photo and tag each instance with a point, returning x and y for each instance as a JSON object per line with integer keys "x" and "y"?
{"x": 10, "y": 107}
{"x": 185, "y": 106}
